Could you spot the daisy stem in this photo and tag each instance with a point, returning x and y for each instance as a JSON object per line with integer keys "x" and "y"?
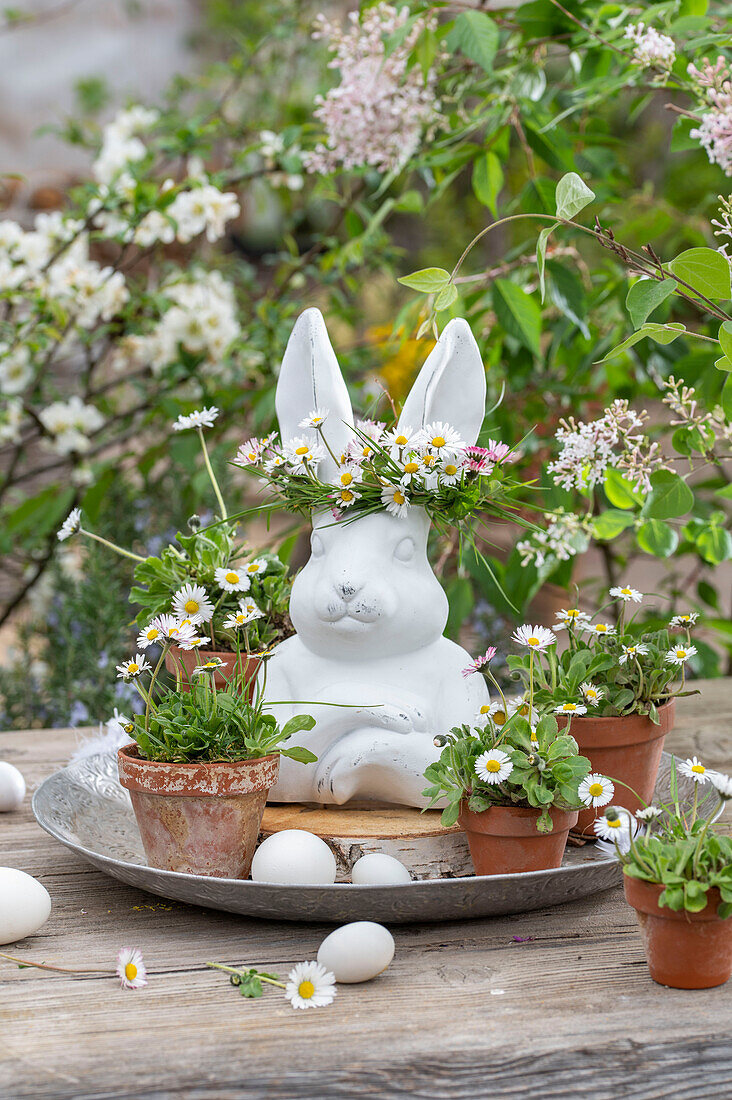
{"x": 325, "y": 444}
{"x": 531, "y": 682}
{"x": 212, "y": 475}
{"x": 161, "y": 658}
{"x": 238, "y": 972}
{"x": 641, "y": 681}
{"x": 500, "y": 691}
{"x": 111, "y": 545}
{"x": 57, "y": 969}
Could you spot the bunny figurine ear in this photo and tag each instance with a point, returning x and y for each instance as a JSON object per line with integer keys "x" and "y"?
{"x": 311, "y": 379}
{"x": 450, "y": 386}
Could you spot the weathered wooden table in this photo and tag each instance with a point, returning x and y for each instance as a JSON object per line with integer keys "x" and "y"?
{"x": 557, "y": 1001}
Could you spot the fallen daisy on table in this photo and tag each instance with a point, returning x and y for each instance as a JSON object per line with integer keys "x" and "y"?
{"x": 309, "y": 985}
{"x": 131, "y": 968}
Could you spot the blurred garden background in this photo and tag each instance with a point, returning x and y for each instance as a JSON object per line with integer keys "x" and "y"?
{"x": 179, "y": 179}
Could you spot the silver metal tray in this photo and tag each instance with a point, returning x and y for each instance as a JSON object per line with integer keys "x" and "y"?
{"x": 85, "y": 808}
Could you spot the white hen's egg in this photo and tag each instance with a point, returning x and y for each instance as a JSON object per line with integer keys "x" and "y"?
{"x": 379, "y": 868}
{"x": 24, "y": 905}
{"x": 357, "y": 952}
{"x": 12, "y": 787}
{"x": 294, "y": 856}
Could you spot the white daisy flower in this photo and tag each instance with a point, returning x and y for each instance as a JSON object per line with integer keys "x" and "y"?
{"x": 310, "y": 985}
{"x": 722, "y": 783}
{"x": 400, "y": 439}
{"x": 679, "y": 654}
{"x": 596, "y": 790}
{"x": 349, "y": 477}
{"x": 591, "y": 693}
{"x": 485, "y": 711}
{"x": 571, "y": 708}
{"x": 249, "y": 453}
{"x": 493, "y": 766}
{"x": 631, "y": 651}
{"x": 256, "y": 567}
{"x": 232, "y": 580}
{"x": 611, "y": 825}
{"x": 694, "y": 769}
{"x": 235, "y": 621}
{"x": 173, "y": 630}
{"x": 303, "y": 455}
{"x": 441, "y": 438}
{"x": 411, "y": 469}
{"x": 149, "y": 635}
{"x": 130, "y": 968}
{"x": 648, "y": 813}
{"x": 602, "y": 630}
{"x": 191, "y": 602}
{"x": 212, "y": 665}
{"x": 571, "y": 617}
{"x": 626, "y": 593}
{"x": 201, "y": 418}
{"x": 450, "y": 473}
{"x": 533, "y": 637}
{"x": 395, "y": 501}
{"x": 188, "y": 641}
{"x": 345, "y": 498}
{"x": 274, "y": 462}
{"x": 316, "y": 419}
{"x": 250, "y": 609}
{"x": 133, "y": 667}
{"x": 70, "y": 525}
{"x": 684, "y": 620}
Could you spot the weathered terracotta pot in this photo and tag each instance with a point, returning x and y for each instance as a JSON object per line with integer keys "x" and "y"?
{"x": 626, "y": 749}
{"x": 191, "y": 658}
{"x": 683, "y": 950}
{"x": 504, "y": 840}
{"x": 198, "y": 818}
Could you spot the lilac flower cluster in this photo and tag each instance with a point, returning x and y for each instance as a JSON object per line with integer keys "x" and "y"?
{"x": 377, "y": 114}
{"x": 715, "y": 131}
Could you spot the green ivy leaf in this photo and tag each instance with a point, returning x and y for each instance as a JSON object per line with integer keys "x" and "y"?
{"x": 670, "y": 496}
{"x": 727, "y": 398}
{"x": 573, "y": 195}
{"x": 541, "y": 256}
{"x": 518, "y": 313}
{"x": 430, "y": 280}
{"x": 446, "y": 297}
{"x": 657, "y": 538}
{"x": 476, "y": 36}
{"x": 488, "y": 180}
{"x": 705, "y": 270}
{"x": 725, "y": 339}
{"x": 714, "y": 544}
{"x": 645, "y": 296}
{"x": 662, "y": 334}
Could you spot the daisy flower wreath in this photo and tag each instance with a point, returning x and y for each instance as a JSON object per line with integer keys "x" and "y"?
{"x": 388, "y": 469}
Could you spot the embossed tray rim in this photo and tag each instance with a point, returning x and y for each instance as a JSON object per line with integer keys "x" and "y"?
{"x": 422, "y": 900}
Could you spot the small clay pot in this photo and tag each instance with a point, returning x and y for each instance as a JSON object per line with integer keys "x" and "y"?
{"x": 627, "y": 749}
{"x": 683, "y": 950}
{"x": 191, "y": 658}
{"x": 198, "y": 818}
{"x": 504, "y": 840}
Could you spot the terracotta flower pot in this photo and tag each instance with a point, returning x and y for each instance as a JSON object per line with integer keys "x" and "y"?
{"x": 504, "y": 840}
{"x": 191, "y": 658}
{"x": 198, "y": 818}
{"x": 626, "y": 749}
{"x": 683, "y": 950}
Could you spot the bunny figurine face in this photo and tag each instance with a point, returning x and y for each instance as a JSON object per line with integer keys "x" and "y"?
{"x": 368, "y": 589}
{"x": 369, "y": 657}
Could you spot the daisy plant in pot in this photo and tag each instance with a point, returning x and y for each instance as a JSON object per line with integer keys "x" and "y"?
{"x": 613, "y": 683}
{"x": 678, "y": 878}
{"x": 514, "y": 782}
{"x": 208, "y": 583}
{"x": 201, "y": 764}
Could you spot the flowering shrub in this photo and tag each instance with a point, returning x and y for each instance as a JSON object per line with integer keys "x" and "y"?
{"x": 170, "y": 277}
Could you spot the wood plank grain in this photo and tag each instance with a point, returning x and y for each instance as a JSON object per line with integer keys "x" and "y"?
{"x": 557, "y": 1001}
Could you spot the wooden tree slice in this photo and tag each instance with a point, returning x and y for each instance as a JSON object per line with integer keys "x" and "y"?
{"x": 417, "y": 839}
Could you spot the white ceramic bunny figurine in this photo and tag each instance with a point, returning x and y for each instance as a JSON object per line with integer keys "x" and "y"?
{"x": 368, "y": 610}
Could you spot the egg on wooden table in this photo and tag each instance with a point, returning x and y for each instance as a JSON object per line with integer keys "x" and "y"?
{"x": 12, "y": 787}
{"x": 294, "y": 857}
{"x": 357, "y": 952}
{"x": 379, "y": 869}
{"x": 24, "y": 905}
